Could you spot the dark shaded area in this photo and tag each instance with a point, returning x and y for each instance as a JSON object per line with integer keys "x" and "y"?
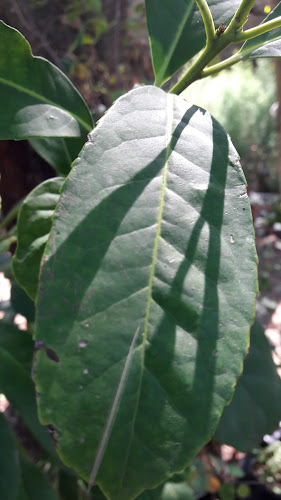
{"x": 21, "y": 170}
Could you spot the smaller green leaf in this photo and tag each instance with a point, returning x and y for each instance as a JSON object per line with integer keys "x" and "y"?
{"x": 9, "y": 469}
{"x": 36, "y": 98}
{"x": 16, "y": 383}
{"x": 21, "y": 303}
{"x": 255, "y": 408}
{"x": 59, "y": 152}
{"x": 34, "y": 224}
{"x": 266, "y": 45}
{"x": 17, "y": 343}
{"x": 35, "y": 484}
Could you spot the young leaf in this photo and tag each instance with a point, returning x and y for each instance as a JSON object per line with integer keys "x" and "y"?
{"x": 36, "y": 98}
{"x": 266, "y": 45}
{"x": 177, "y": 32}
{"x": 255, "y": 408}
{"x": 9, "y": 468}
{"x": 150, "y": 231}
{"x": 34, "y": 224}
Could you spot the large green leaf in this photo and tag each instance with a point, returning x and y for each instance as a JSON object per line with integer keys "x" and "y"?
{"x": 177, "y": 32}
{"x": 153, "y": 232}
{"x": 16, "y": 383}
{"x": 60, "y": 152}
{"x": 9, "y": 468}
{"x": 266, "y": 45}
{"x": 36, "y": 98}
{"x": 34, "y": 224}
{"x": 256, "y": 405}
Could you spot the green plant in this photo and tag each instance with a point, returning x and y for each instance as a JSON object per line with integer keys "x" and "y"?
{"x": 141, "y": 263}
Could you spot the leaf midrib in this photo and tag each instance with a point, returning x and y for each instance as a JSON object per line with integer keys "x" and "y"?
{"x": 45, "y": 101}
{"x": 149, "y": 300}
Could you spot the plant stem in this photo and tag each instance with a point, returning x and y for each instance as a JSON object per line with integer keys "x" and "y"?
{"x": 217, "y": 42}
{"x": 212, "y": 70}
{"x": 196, "y": 71}
{"x": 258, "y": 30}
{"x": 208, "y": 20}
{"x": 241, "y": 15}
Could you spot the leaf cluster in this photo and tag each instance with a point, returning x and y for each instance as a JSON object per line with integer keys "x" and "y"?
{"x": 141, "y": 261}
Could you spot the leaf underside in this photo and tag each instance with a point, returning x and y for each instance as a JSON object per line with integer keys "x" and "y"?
{"x": 153, "y": 230}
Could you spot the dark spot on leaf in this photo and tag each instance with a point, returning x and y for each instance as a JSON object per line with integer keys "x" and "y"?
{"x": 39, "y": 344}
{"x": 53, "y": 432}
{"x": 37, "y": 394}
{"x": 52, "y": 355}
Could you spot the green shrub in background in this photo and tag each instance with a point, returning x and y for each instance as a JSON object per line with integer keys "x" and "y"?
{"x": 243, "y": 99}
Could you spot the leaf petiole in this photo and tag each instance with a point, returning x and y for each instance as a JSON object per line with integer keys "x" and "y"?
{"x": 258, "y": 30}
{"x": 208, "y": 20}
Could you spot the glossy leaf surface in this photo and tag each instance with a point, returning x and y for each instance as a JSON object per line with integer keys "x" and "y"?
{"x": 148, "y": 233}
{"x": 177, "y": 32}
{"x": 266, "y": 45}
{"x": 34, "y": 224}
{"x": 36, "y": 98}
{"x": 255, "y": 409}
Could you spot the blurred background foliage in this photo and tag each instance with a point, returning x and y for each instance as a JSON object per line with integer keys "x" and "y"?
{"x": 243, "y": 100}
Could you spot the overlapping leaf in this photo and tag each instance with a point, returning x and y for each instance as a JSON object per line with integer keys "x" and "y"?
{"x": 149, "y": 233}
{"x": 266, "y": 45}
{"x": 177, "y": 32}
{"x": 255, "y": 409}
{"x": 60, "y": 152}
{"x": 34, "y": 224}
{"x": 19, "y": 478}
{"x": 16, "y": 349}
{"x": 9, "y": 468}
{"x": 34, "y": 483}
{"x": 36, "y": 98}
